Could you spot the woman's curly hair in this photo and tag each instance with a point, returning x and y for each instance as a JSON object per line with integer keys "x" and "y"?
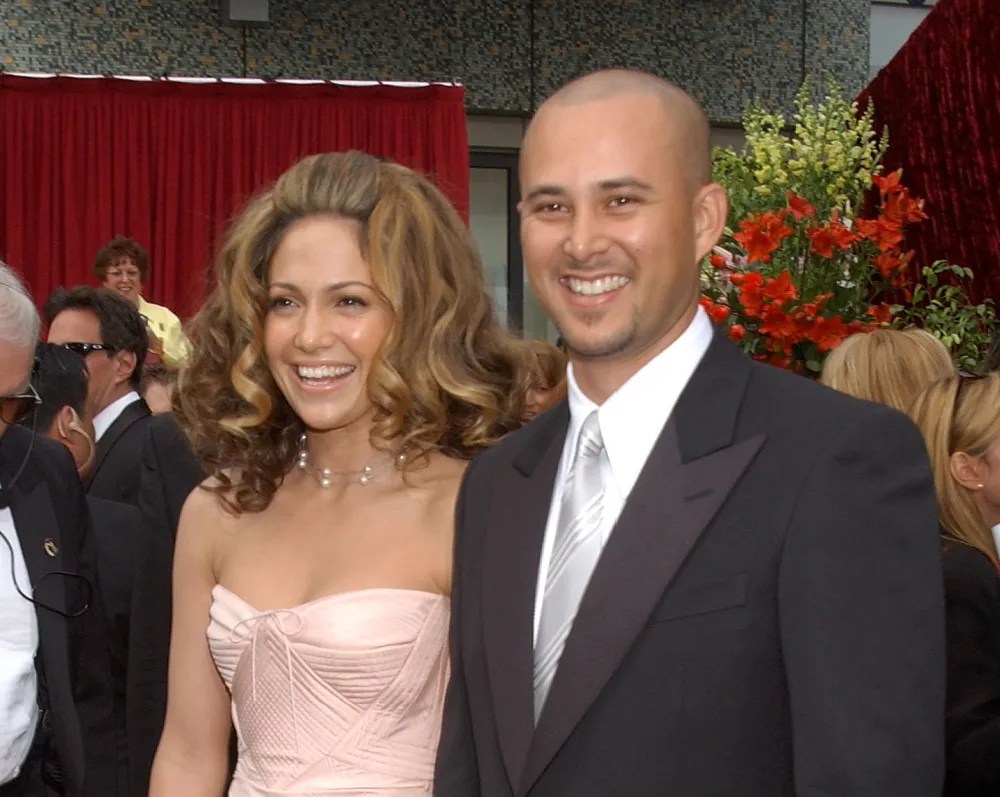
{"x": 449, "y": 377}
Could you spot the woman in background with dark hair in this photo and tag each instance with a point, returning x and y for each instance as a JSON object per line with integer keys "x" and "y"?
{"x": 347, "y": 365}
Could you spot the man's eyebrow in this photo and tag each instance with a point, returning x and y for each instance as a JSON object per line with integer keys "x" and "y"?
{"x": 618, "y": 183}
{"x": 611, "y": 184}
{"x": 544, "y": 190}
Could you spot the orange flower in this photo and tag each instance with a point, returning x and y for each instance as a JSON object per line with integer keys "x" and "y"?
{"x": 750, "y": 294}
{"x": 829, "y": 332}
{"x": 717, "y": 261}
{"x": 881, "y": 313}
{"x": 889, "y": 183}
{"x": 719, "y": 313}
{"x": 890, "y": 263}
{"x": 779, "y": 289}
{"x": 781, "y": 327}
{"x": 885, "y": 233}
{"x": 799, "y": 207}
{"x": 737, "y": 332}
{"x": 901, "y": 208}
{"x": 761, "y": 234}
{"x": 833, "y": 235}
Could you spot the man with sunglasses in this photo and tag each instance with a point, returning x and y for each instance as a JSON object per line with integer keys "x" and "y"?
{"x": 108, "y": 332}
{"x": 56, "y": 736}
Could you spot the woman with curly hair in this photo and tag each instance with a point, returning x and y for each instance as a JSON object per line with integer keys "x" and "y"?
{"x": 347, "y": 364}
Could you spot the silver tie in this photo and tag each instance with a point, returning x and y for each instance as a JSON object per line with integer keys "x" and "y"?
{"x": 575, "y": 551}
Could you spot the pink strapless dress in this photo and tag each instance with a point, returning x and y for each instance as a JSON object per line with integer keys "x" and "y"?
{"x": 340, "y": 696}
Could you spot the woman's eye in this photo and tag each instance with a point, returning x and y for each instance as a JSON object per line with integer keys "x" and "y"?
{"x": 276, "y": 302}
{"x": 352, "y": 301}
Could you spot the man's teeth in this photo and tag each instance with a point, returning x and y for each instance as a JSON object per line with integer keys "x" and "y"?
{"x": 324, "y": 371}
{"x": 596, "y": 287}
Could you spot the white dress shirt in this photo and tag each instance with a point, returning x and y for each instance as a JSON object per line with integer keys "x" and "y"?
{"x": 996, "y": 535}
{"x": 18, "y": 645}
{"x": 110, "y": 414}
{"x": 631, "y": 421}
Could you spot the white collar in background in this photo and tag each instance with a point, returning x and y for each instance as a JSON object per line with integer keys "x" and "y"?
{"x": 110, "y": 414}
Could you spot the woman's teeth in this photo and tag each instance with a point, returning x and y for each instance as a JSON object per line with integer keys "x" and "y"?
{"x": 317, "y": 372}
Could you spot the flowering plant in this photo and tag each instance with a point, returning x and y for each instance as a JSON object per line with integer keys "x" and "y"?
{"x": 801, "y": 266}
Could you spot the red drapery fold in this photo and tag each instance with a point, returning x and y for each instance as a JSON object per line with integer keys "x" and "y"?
{"x": 168, "y": 163}
{"x": 940, "y": 98}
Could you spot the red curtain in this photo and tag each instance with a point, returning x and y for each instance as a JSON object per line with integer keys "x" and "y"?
{"x": 167, "y": 163}
{"x": 940, "y": 98}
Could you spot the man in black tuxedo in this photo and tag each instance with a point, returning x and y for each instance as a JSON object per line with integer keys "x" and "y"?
{"x": 133, "y": 567}
{"x": 699, "y": 575}
{"x": 170, "y": 471}
{"x": 56, "y": 730}
{"x": 109, "y": 333}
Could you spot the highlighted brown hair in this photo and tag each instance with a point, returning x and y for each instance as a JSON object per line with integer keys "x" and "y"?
{"x": 448, "y": 377}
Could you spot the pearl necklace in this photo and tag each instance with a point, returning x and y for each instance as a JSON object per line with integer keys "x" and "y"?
{"x": 364, "y": 476}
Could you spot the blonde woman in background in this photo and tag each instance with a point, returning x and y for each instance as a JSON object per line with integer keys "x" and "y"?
{"x": 960, "y": 419}
{"x": 888, "y": 366}
{"x": 345, "y": 368}
{"x": 911, "y": 371}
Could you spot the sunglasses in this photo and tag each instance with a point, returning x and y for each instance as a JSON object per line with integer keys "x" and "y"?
{"x": 17, "y": 407}
{"x": 83, "y": 349}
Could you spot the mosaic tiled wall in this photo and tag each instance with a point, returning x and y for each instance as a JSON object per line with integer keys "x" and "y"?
{"x": 509, "y": 53}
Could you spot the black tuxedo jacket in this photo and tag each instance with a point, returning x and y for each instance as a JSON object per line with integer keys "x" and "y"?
{"x": 972, "y": 598}
{"x": 116, "y": 473}
{"x": 53, "y": 528}
{"x": 134, "y": 572}
{"x": 170, "y": 472}
{"x": 766, "y": 619}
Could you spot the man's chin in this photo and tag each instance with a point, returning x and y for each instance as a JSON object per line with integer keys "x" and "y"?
{"x": 597, "y": 348}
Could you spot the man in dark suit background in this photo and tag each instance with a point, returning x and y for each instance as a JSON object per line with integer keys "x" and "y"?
{"x": 109, "y": 333}
{"x": 170, "y": 472}
{"x": 56, "y": 729}
{"x": 698, "y": 575}
{"x": 133, "y": 566}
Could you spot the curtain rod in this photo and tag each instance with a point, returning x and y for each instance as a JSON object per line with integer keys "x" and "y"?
{"x": 242, "y": 80}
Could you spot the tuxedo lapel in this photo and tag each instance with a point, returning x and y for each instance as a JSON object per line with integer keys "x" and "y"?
{"x": 513, "y": 543}
{"x": 41, "y": 543}
{"x": 691, "y": 470}
{"x": 132, "y": 413}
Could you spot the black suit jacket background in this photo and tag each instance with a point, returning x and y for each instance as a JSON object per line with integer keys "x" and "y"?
{"x": 169, "y": 473}
{"x": 972, "y": 595}
{"x": 116, "y": 473}
{"x": 134, "y": 572}
{"x": 53, "y": 528}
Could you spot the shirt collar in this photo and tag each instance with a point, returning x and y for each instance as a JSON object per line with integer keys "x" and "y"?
{"x": 110, "y": 414}
{"x": 634, "y": 415}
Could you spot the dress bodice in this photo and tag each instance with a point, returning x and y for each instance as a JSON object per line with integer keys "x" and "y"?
{"x": 339, "y": 696}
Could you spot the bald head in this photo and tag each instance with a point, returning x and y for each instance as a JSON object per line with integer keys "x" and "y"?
{"x": 687, "y": 124}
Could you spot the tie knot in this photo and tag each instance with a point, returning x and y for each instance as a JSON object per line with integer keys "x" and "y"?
{"x": 590, "y": 443}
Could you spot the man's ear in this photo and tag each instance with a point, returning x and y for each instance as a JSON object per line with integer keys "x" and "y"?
{"x": 711, "y": 209}
{"x": 126, "y": 365}
{"x": 967, "y": 470}
{"x": 63, "y": 423}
